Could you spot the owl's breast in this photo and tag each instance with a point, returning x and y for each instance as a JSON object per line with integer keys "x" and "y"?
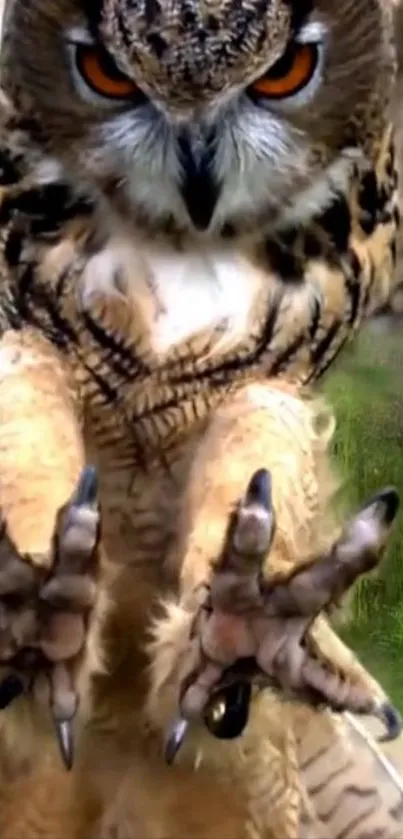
{"x": 179, "y": 296}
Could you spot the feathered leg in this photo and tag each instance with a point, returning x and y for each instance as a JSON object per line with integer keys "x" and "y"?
{"x": 48, "y": 542}
{"x": 255, "y": 576}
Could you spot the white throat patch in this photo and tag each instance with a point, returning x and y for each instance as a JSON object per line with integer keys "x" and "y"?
{"x": 178, "y": 295}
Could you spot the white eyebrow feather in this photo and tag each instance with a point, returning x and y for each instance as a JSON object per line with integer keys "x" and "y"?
{"x": 314, "y": 31}
{"x": 78, "y": 35}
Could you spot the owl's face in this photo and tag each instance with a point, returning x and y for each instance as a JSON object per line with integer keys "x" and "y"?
{"x": 206, "y": 116}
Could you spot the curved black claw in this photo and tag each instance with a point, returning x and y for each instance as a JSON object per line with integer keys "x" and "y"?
{"x": 225, "y": 717}
{"x": 254, "y": 525}
{"x": 388, "y": 503}
{"x": 175, "y": 739}
{"x": 259, "y": 490}
{"x": 392, "y": 721}
{"x": 11, "y": 688}
{"x": 64, "y": 702}
{"x": 86, "y": 493}
{"x": 65, "y": 739}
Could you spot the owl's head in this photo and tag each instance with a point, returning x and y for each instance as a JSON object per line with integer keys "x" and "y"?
{"x": 206, "y": 116}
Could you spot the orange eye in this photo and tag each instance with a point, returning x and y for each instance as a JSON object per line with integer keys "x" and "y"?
{"x": 101, "y": 74}
{"x": 289, "y": 74}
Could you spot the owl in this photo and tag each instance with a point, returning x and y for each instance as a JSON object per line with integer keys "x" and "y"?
{"x": 194, "y": 195}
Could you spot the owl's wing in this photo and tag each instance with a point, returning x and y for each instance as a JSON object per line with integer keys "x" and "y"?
{"x": 389, "y": 315}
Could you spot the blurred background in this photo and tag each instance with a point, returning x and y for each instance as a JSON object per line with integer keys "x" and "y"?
{"x": 366, "y": 392}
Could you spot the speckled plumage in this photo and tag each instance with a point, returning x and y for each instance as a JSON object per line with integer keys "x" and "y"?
{"x": 161, "y": 252}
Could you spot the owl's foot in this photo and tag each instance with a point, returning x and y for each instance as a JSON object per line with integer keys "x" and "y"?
{"x": 251, "y": 630}
{"x": 44, "y": 615}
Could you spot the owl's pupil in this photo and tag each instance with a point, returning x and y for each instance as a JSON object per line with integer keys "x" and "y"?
{"x": 284, "y": 65}
{"x": 108, "y": 66}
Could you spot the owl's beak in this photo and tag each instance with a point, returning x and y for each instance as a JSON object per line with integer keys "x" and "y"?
{"x": 199, "y": 187}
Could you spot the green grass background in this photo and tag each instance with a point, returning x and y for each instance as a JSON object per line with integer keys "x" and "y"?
{"x": 366, "y": 391}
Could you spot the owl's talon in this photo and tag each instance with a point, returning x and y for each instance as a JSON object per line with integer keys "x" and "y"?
{"x": 45, "y": 614}
{"x": 79, "y": 526}
{"x": 86, "y": 493}
{"x": 64, "y": 704}
{"x": 392, "y": 721}
{"x": 267, "y": 623}
{"x": 175, "y": 738}
{"x": 387, "y": 504}
{"x": 254, "y": 526}
{"x": 65, "y": 738}
{"x": 259, "y": 490}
